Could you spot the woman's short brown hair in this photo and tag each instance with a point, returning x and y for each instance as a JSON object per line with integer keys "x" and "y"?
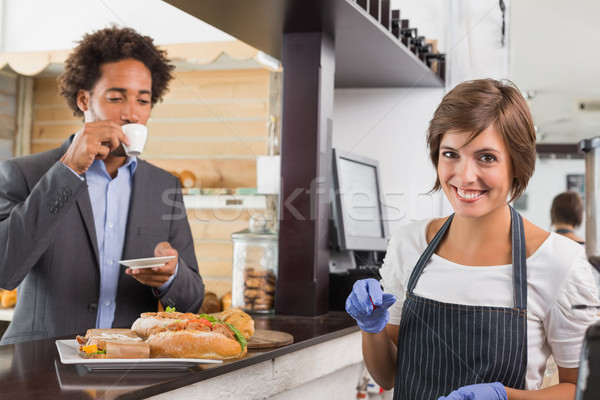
{"x": 473, "y": 106}
{"x": 567, "y": 208}
{"x": 82, "y": 67}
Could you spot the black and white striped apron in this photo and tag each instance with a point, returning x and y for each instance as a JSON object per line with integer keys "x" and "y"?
{"x": 443, "y": 346}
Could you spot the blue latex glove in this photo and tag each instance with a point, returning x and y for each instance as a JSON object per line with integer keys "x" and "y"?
{"x": 368, "y": 305}
{"x": 481, "y": 391}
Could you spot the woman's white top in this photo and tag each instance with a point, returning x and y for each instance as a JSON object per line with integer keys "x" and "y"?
{"x": 558, "y": 277}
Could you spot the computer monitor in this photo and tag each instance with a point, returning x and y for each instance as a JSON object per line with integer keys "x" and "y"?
{"x": 359, "y": 232}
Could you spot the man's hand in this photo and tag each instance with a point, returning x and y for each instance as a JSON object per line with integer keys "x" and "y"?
{"x": 94, "y": 142}
{"x": 481, "y": 391}
{"x": 157, "y": 276}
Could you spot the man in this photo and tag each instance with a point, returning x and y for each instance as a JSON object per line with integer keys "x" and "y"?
{"x": 68, "y": 215}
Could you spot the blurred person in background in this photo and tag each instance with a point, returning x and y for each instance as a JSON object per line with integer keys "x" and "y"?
{"x": 566, "y": 215}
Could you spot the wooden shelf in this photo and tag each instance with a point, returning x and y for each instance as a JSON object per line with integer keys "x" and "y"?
{"x": 559, "y": 150}
{"x": 366, "y": 54}
{"x": 6, "y": 314}
{"x": 225, "y": 201}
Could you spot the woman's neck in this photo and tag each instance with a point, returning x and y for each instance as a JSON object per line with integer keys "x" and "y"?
{"x": 484, "y": 240}
{"x": 488, "y": 228}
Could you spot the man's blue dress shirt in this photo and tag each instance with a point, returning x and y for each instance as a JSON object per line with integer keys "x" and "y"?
{"x": 110, "y": 204}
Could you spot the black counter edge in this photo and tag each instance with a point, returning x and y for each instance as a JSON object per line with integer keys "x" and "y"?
{"x": 231, "y": 366}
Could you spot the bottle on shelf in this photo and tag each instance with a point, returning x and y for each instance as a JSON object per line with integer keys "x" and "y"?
{"x": 407, "y": 34}
{"x": 395, "y": 23}
{"x": 386, "y": 14}
{"x": 437, "y": 63}
{"x": 363, "y": 4}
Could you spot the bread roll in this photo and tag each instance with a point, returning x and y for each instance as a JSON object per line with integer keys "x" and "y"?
{"x": 194, "y": 344}
{"x": 9, "y": 298}
{"x": 240, "y": 320}
{"x": 210, "y": 304}
{"x": 187, "y": 179}
{"x": 226, "y": 301}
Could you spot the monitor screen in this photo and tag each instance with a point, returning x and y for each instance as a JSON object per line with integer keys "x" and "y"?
{"x": 358, "y": 217}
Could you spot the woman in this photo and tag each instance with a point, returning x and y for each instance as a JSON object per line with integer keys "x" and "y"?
{"x": 483, "y": 296}
{"x": 566, "y": 214}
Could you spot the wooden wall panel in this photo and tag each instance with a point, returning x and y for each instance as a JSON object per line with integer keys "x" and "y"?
{"x": 217, "y": 285}
{"x": 54, "y": 113}
{"x": 46, "y": 93}
{"x": 227, "y": 128}
{"x": 7, "y": 124}
{"x": 212, "y": 231}
{"x": 199, "y": 109}
{"x": 216, "y": 230}
{"x": 219, "y": 214}
{"x": 215, "y": 173}
{"x": 233, "y": 148}
{"x": 220, "y": 84}
{"x": 55, "y": 132}
{"x": 220, "y": 250}
{"x": 216, "y": 268}
{"x": 39, "y": 147}
{"x": 8, "y": 114}
{"x": 191, "y": 150}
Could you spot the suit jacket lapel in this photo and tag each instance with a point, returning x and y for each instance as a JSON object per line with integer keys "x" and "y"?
{"x": 85, "y": 206}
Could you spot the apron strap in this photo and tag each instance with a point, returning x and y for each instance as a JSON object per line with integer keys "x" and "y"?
{"x": 414, "y": 277}
{"x": 519, "y": 260}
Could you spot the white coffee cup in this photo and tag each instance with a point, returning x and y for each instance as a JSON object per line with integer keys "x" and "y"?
{"x": 137, "y": 135}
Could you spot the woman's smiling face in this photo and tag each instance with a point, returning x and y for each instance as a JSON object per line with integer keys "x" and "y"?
{"x": 476, "y": 177}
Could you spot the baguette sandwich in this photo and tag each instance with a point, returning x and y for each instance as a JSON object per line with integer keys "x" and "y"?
{"x": 112, "y": 343}
{"x": 177, "y": 335}
{"x": 144, "y": 325}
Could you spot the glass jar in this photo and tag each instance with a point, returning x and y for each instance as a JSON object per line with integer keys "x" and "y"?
{"x": 254, "y": 267}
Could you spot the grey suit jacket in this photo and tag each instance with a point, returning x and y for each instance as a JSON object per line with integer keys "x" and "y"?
{"x": 48, "y": 247}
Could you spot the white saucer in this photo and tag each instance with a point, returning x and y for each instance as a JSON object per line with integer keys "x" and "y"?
{"x": 146, "y": 262}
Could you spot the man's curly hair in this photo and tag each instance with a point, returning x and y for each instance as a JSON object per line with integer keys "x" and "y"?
{"x": 82, "y": 67}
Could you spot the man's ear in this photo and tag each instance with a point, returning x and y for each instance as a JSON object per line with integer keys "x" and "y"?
{"x": 83, "y": 100}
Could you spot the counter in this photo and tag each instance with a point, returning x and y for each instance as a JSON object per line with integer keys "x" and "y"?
{"x": 33, "y": 370}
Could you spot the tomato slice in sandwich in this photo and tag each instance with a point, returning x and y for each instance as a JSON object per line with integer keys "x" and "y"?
{"x": 200, "y": 321}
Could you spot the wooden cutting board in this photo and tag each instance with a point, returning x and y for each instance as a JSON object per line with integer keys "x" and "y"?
{"x": 264, "y": 338}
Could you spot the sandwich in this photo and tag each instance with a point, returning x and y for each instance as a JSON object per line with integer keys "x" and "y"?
{"x": 112, "y": 343}
{"x": 172, "y": 334}
{"x": 150, "y": 320}
{"x": 240, "y": 320}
